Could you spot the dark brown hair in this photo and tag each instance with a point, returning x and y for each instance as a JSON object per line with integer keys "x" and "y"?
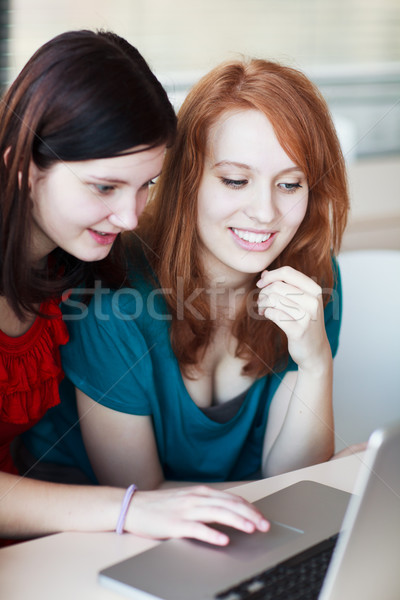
{"x": 83, "y": 95}
{"x": 304, "y": 128}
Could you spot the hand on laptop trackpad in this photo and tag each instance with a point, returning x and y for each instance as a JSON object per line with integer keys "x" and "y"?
{"x": 248, "y": 546}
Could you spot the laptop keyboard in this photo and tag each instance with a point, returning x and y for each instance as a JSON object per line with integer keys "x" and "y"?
{"x": 298, "y": 578}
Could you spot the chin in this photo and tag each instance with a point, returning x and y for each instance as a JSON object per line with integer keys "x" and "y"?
{"x": 254, "y": 268}
{"x": 91, "y": 256}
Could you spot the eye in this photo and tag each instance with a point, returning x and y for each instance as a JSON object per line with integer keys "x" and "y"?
{"x": 289, "y": 187}
{"x": 234, "y": 183}
{"x": 149, "y": 183}
{"x": 103, "y": 188}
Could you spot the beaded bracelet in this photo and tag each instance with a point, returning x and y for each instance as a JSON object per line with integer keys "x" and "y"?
{"x": 124, "y": 508}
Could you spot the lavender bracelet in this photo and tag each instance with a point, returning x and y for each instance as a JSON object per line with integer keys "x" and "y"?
{"x": 124, "y": 508}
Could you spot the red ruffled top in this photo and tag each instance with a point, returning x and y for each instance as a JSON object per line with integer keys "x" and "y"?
{"x": 30, "y": 372}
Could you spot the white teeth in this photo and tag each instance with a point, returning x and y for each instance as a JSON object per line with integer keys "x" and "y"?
{"x": 250, "y": 236}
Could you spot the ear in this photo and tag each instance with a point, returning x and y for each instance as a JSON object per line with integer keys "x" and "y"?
{"x": 6, "y": 155}
{"x": 34, "y": 174}
{"x": 5, "y": 158}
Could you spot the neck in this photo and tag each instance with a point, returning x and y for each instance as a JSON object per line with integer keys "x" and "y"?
{"x": 227, "y": 296}
{"x": 226, "y": 288}
{"x": 41, "y": 246}
{"x": 39, "y": 256}
{"x": 228, "y": 282}
{"x": 224, "y": 279}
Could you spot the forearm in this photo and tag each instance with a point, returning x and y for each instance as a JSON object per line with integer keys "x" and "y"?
{"x": 300, "y": 424}
{"x": 29, "y": 508}
{"x": 307, "y": 433}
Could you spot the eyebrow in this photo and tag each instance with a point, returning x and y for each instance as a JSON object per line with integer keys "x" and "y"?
{"x": 116, "y": 180}
{"x": 231, "y": 163}
{"x": 108, "y": 179}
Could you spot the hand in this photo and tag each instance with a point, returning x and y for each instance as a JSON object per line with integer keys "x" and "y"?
{"x": 294, "y": 302}
{"x": 183, "y": 512}
{"x": 350, "y": 450}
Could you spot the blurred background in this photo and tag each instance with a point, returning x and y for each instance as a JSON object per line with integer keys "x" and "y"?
{"x": 351, "y": 50}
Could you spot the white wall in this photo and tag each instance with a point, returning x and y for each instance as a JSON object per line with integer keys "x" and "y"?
{"x": 193, "y": 35}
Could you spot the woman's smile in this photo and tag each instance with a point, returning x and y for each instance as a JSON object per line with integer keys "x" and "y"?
{"x": 253, "y": 241}
{"x": 102, "y": 237}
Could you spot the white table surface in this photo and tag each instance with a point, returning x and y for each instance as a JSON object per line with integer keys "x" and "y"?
{"x": 65, "y": 566}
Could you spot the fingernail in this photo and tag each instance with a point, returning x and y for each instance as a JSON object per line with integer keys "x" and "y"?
{"x": 222, "y": 539}
{"x": 264, "y": 525}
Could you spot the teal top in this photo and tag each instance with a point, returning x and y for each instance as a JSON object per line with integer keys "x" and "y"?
{"x": 120, "y": 355}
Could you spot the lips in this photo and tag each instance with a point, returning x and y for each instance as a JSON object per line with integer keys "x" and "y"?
{"x": 256, "y": 241}
{"x": 102, "y": 237}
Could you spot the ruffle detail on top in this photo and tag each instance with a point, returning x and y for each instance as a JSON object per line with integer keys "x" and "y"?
{"x": 30, "y": 368}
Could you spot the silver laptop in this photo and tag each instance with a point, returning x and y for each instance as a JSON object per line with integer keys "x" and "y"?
{"x": 365, "y": 562}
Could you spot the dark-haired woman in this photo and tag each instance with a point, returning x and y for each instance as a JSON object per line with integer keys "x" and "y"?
{"x": 84, "y": 129}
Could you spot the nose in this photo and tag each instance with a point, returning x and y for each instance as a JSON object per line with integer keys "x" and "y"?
{"x": 126, "y": 214}
{"x": 261, "y": 206}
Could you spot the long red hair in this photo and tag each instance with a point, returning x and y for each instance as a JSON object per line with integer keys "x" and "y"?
{"x": 304, "y": 128}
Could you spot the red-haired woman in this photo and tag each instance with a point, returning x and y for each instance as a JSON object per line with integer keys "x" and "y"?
{"x": 217, "y": 365}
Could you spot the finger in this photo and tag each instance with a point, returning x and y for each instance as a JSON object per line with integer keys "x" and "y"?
{"x": 296, "y": 304}
{"x": 308, "y": 310}
{"x": 259, "y": 283}
{"x": 283, "y": 289}
{"x": 209, "y": 492}
{"x": 202, "y": 532}
{"x": 205, "y": 496}
{"x": 282, "y": 312}
{"x": 271, "y": 297}
{"x": 293, "y": 325}
{"x": 224, "y": 516}
{"x": 353, "y": 449}
{"x": 290, "y": 276}
{"x": 165, "y": 528}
